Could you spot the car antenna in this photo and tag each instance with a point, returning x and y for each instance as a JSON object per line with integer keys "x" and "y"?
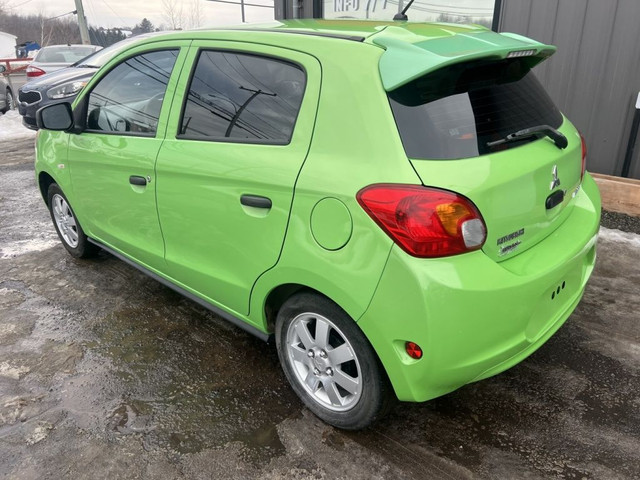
{"x": 401, "y": 16}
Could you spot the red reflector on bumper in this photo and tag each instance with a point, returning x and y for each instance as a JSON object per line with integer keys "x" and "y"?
{"x": 413, "y": 350}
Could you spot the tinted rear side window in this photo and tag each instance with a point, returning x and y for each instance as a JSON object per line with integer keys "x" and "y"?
{"x": 242, "y": 98}
{"x": 454, "y": 112}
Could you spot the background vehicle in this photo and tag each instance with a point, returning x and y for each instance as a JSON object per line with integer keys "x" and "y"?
{"x": 63, "y": 85}
{"x": 54, "y": 57}
{"x": 6, "y": 92}
{"x": 401, "y": 206}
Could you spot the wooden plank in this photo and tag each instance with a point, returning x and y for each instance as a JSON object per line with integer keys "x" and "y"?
{"x": 619, "y": 194}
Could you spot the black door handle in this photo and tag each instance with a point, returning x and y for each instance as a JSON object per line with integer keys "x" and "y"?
{"x": 255, "y": 201}
{"x": 137, "y": 180}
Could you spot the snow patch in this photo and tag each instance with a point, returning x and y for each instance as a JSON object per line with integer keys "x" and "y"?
{"x": 619, "y": 236}
{"x": 39, "y": 433}
{"x": 10, "y": 371}
{"x": 7, "y": 329}
{"x": 20, "y": 247}
{"x": 11, "y": 127}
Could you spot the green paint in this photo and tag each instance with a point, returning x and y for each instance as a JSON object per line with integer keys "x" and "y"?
{"x": 331, "y": 223}
{"x": 474, "y": 314}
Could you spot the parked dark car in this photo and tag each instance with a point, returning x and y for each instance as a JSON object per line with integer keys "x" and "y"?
{"x": 63, "y": 85}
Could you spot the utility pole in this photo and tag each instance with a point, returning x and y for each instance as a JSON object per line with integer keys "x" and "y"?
{"x": 254, "y": 94}
{"x": 82, "y": 22}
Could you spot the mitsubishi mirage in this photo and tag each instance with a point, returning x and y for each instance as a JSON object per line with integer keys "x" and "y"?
{"x": 401, "y": 207}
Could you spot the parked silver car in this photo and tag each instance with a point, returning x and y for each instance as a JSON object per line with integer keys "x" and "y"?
{"x": 6, "y": 92}
{"x": 54, "y": 57}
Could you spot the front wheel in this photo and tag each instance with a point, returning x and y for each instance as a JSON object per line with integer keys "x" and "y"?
{"x": 330, "y": 363}
{"x": 9, "y": 103}
{"x": 67, "y": 226}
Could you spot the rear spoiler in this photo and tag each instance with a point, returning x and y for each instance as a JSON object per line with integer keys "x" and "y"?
{"x": 408, "y": 56}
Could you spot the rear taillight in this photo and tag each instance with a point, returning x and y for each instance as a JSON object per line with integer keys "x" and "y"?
{"x": 584, "y": 158}
{"x": 423, "y": 221}
{"x": 34, "y": 72}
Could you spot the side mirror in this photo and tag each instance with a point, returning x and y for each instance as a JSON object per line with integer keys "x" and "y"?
{"x": 58, "y": 116}
{"x": 3, "y": 69}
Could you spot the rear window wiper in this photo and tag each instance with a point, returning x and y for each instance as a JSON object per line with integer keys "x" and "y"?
{"x": 558, "y": 138}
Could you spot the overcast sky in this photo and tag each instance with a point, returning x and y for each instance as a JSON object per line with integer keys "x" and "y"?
{"x": 118, "y": 13}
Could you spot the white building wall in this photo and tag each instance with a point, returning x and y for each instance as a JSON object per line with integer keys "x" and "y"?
{"x": 7, "y": 45}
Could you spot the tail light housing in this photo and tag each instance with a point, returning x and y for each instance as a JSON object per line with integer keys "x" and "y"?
{"x": 425, "y": 222}
{"x": 584, "y": 158}
{"x": 34, "y": 72}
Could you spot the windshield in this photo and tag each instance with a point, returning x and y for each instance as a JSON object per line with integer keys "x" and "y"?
{"x": 456, "y": 111}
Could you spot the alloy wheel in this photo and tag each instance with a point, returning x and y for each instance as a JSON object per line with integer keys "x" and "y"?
{"x": 324, "y": 362}
{"x": 65, "y": 220}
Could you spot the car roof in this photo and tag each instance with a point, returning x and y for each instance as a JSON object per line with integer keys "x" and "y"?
{"x": 69, "y": 45}
{"x": 410, "y": 49}
{"x": 358, "y": 30}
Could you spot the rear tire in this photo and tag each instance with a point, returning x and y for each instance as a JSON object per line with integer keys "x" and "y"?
{"x": 67, "y": 226}
{"x": 330, "y": 364}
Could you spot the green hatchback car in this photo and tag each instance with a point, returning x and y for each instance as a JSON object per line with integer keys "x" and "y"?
{"x": 400, "y": 206}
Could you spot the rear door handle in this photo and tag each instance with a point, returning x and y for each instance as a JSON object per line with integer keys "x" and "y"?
{"x": 255, "y": 201}
{"x": 137, "y": 180}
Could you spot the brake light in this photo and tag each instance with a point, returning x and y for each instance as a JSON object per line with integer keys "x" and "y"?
{"x": 584, "y": 158}
{"x": 34, "y": 72}
{"x": 424, "y": 221}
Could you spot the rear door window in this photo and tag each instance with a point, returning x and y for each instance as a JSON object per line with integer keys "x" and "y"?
{"x": 456, "y": 111}
{"x": 242, "y": 98}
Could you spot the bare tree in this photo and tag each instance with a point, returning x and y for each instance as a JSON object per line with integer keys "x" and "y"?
{"x": 196, "y": 14}
{"x": 46, "y": 30}
{"x": 173, "y": 14}
{"x": 40, "y": 28}
{"x": 178, "y": 15}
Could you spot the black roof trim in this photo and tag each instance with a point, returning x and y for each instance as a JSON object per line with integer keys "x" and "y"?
{"x": 353, "y": 38}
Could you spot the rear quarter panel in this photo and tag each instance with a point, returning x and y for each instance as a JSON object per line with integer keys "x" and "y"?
{"x": 355, "y": 144}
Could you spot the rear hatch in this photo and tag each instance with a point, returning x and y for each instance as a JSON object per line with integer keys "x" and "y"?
{"x": 454, "y": 122}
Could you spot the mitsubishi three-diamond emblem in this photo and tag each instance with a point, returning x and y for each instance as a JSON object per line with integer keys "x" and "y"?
{"x": 556, "y": 181}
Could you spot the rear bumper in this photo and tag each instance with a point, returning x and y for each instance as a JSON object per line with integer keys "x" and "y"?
{"x": 474, "y": 317}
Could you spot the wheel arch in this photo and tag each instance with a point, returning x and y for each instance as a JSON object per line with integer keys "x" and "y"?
{"x": 277, "y": 297}
{"x": 44, "y": 182}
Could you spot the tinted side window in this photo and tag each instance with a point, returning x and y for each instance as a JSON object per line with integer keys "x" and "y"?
{"x": 129, "y": 97}
{"x": 240, "y": 97}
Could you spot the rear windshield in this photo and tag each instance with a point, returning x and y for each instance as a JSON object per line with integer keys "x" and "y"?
{"x": 454, "y": 112}
{"x": 63, "y": 54}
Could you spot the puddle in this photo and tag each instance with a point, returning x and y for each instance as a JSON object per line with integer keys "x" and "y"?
{"x": 188, "y": 383}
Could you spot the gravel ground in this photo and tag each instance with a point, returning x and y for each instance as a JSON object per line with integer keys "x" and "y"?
{"x": 620, "y": 221}
{"x": 105, "y": 373}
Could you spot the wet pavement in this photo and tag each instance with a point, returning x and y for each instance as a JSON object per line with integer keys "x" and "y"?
{"x": 105, "y": 373}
